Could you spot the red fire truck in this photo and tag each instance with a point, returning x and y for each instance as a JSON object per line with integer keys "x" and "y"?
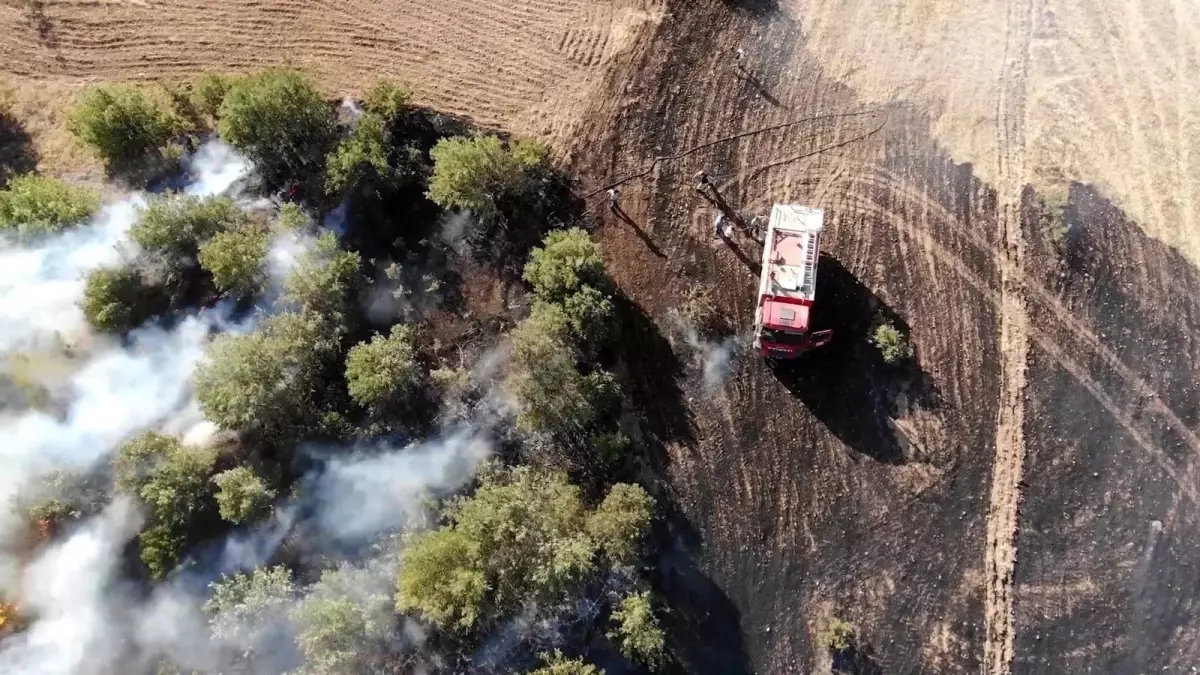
{"x": 788, "y": 284}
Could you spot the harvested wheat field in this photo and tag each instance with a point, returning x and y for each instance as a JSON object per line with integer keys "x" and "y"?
{"x": 1009, "y": 181}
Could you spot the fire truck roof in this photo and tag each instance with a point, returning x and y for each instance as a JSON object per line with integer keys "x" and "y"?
{"x": 789, "y": 269}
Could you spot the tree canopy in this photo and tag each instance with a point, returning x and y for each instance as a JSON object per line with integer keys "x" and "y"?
{"x": 34, "y": 205}
{"x": 343, "y": 626}
{"x": 476, "y": 172}
{"x": 323, "y": 280}
{"x": 522, "y": 535}
{"x": 175, "y": 226}
{"x": 620, "y": 522}
{"x": 124, "y": 127}
{"x": 557, "y": 664}
{"x": 384, "y": 371}
{"x": 115, "y": 299}
{"x": 265, "y": 379}
{"x": 237, "y": 260}
{"x": 281, "y": 122}
{"x": 242, "y": 495}
{"x": 636, "y": 630}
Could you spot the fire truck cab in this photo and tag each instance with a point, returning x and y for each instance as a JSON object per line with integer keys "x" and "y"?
{"x": 788, "y": 285}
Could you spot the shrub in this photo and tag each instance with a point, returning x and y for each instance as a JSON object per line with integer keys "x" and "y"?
{"x": 557, "y": 664}
{"x": 893, "y": 346}
{"x": 115, "y": 300}
{"x": 122, "y": 126}
{"x": 281, "y": 122}
{"x": 383, "y": 371}
{"x": 837, "y": 635}
{"x": 323, "y": 278}
{"x": 637, "y": 631}
{"x": 136, "y": 458}
{"x": 36, "y": 205}
{"x": 617, "y": 525}
{"x": 1052, "y": 218}
{"x": 265, "y": 379}
{"x": 242, "y": 495}
{"x": 387, "y": 100}
{"x": 475, "y": 173}
{"x": 444, "y": 577}
{"x": 566, "y": 261}
{"x": 237, "y": 260}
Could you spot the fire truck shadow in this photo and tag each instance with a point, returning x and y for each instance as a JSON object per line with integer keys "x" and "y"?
{"x": 846, "y": 384}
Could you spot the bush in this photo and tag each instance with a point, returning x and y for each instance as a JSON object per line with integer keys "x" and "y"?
{"x": 1052, "y": 218}
{"x": 567, "y": 261}
{"x": 323, "y": 279}
{"x": 136, "y": 458}
{"x": 700, "y": 311}
{"x": 893, "y": 346}
{"x": 476, "y": 173}
{"x": 617, "y": 525}
{"x": 175, "y": 226}
{"x": 637, "y": 631}
{"x": 520, "y": 537}
{"x": 237, "y": 260}
{"x": 115, "y": 300}
{"x": 242, "y": 495}
{"x": 124, "y": 128}
{"x": 281, "y": 122}
{"x": 837, "y": 635}
{"x": 557, "y": 664}
{"x": 384, "y": 371}
{"x": 266, "y": 379}
{"x": 387, "y": 100}
{"x": 37, "y": 205}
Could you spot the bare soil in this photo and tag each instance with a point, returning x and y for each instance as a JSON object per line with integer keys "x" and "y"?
{"x": 1023, "y": 496}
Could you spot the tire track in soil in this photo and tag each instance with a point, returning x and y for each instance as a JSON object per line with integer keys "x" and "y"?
{"x": 1000, "y": 556}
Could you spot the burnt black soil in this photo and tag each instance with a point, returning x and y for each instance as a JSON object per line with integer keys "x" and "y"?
{"x": 842, "y": 487}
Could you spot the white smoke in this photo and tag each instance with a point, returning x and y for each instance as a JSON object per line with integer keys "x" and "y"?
{"x": 360, "y": 498}
{"x": 715, "y": 356}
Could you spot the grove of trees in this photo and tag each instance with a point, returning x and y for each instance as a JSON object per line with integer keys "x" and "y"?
{"x": 547, "y": 528}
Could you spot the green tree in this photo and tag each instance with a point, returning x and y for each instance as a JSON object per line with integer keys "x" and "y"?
{"x": 555, "y": 397}
{"x": 567, "y": 261}
{"x": 444, "y": 577}
{"x": 387, "y": 100}
{"x": 244, "y": 607}
{"x": 893, "y": 346}
{"x": 115, "y": 300}
{"x": 476, "y": 173}
{"x": 37, "y": 205}
{"x": 124, "y": 127}
{"x": 209, "y": 91}
{"x": 620, "y": 522}
{"x": 384, "y": 371}
{"x": 281, "y": 122}
{"x": 174, "y": 226}
{"x": 343, "y": 626}
{"x": 520, "y": 536}
{"x": 557, "y": 664}
{"x": 637, "y": 631}
{"x": 242, "y": 495}
{"x": 172, "y": 480}
{"x": 361, "y": 158}
{"x": 237, "y": 260}
{"x": 323, "y": 280}
{"x": 266, "y": 379}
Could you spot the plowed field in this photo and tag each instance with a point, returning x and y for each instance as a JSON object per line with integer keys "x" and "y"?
{"x": 1022, "y": 498}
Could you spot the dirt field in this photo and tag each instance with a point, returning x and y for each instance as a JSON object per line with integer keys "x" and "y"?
{"x": 1024, "y": 497}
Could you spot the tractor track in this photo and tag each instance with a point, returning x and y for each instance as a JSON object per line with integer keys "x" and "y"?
{"x": 1000, "y": 556}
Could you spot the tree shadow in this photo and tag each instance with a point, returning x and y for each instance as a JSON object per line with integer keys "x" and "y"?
{"x": 637, "y": 229}
{"x": 17, "y": 154}
{"x": 757, "y": 8}
{"x": 846, "y": 384}
{"x": 858, "y": 659}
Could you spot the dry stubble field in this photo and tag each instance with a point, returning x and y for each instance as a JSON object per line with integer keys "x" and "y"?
{"x": 1024, "y": 498}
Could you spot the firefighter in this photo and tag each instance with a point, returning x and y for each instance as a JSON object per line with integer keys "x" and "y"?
{"x": 718, "y": 225}
{"x": 701, "y": 181}
{"x": 739, "y": 57}
{"x": 614, "y": 193}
